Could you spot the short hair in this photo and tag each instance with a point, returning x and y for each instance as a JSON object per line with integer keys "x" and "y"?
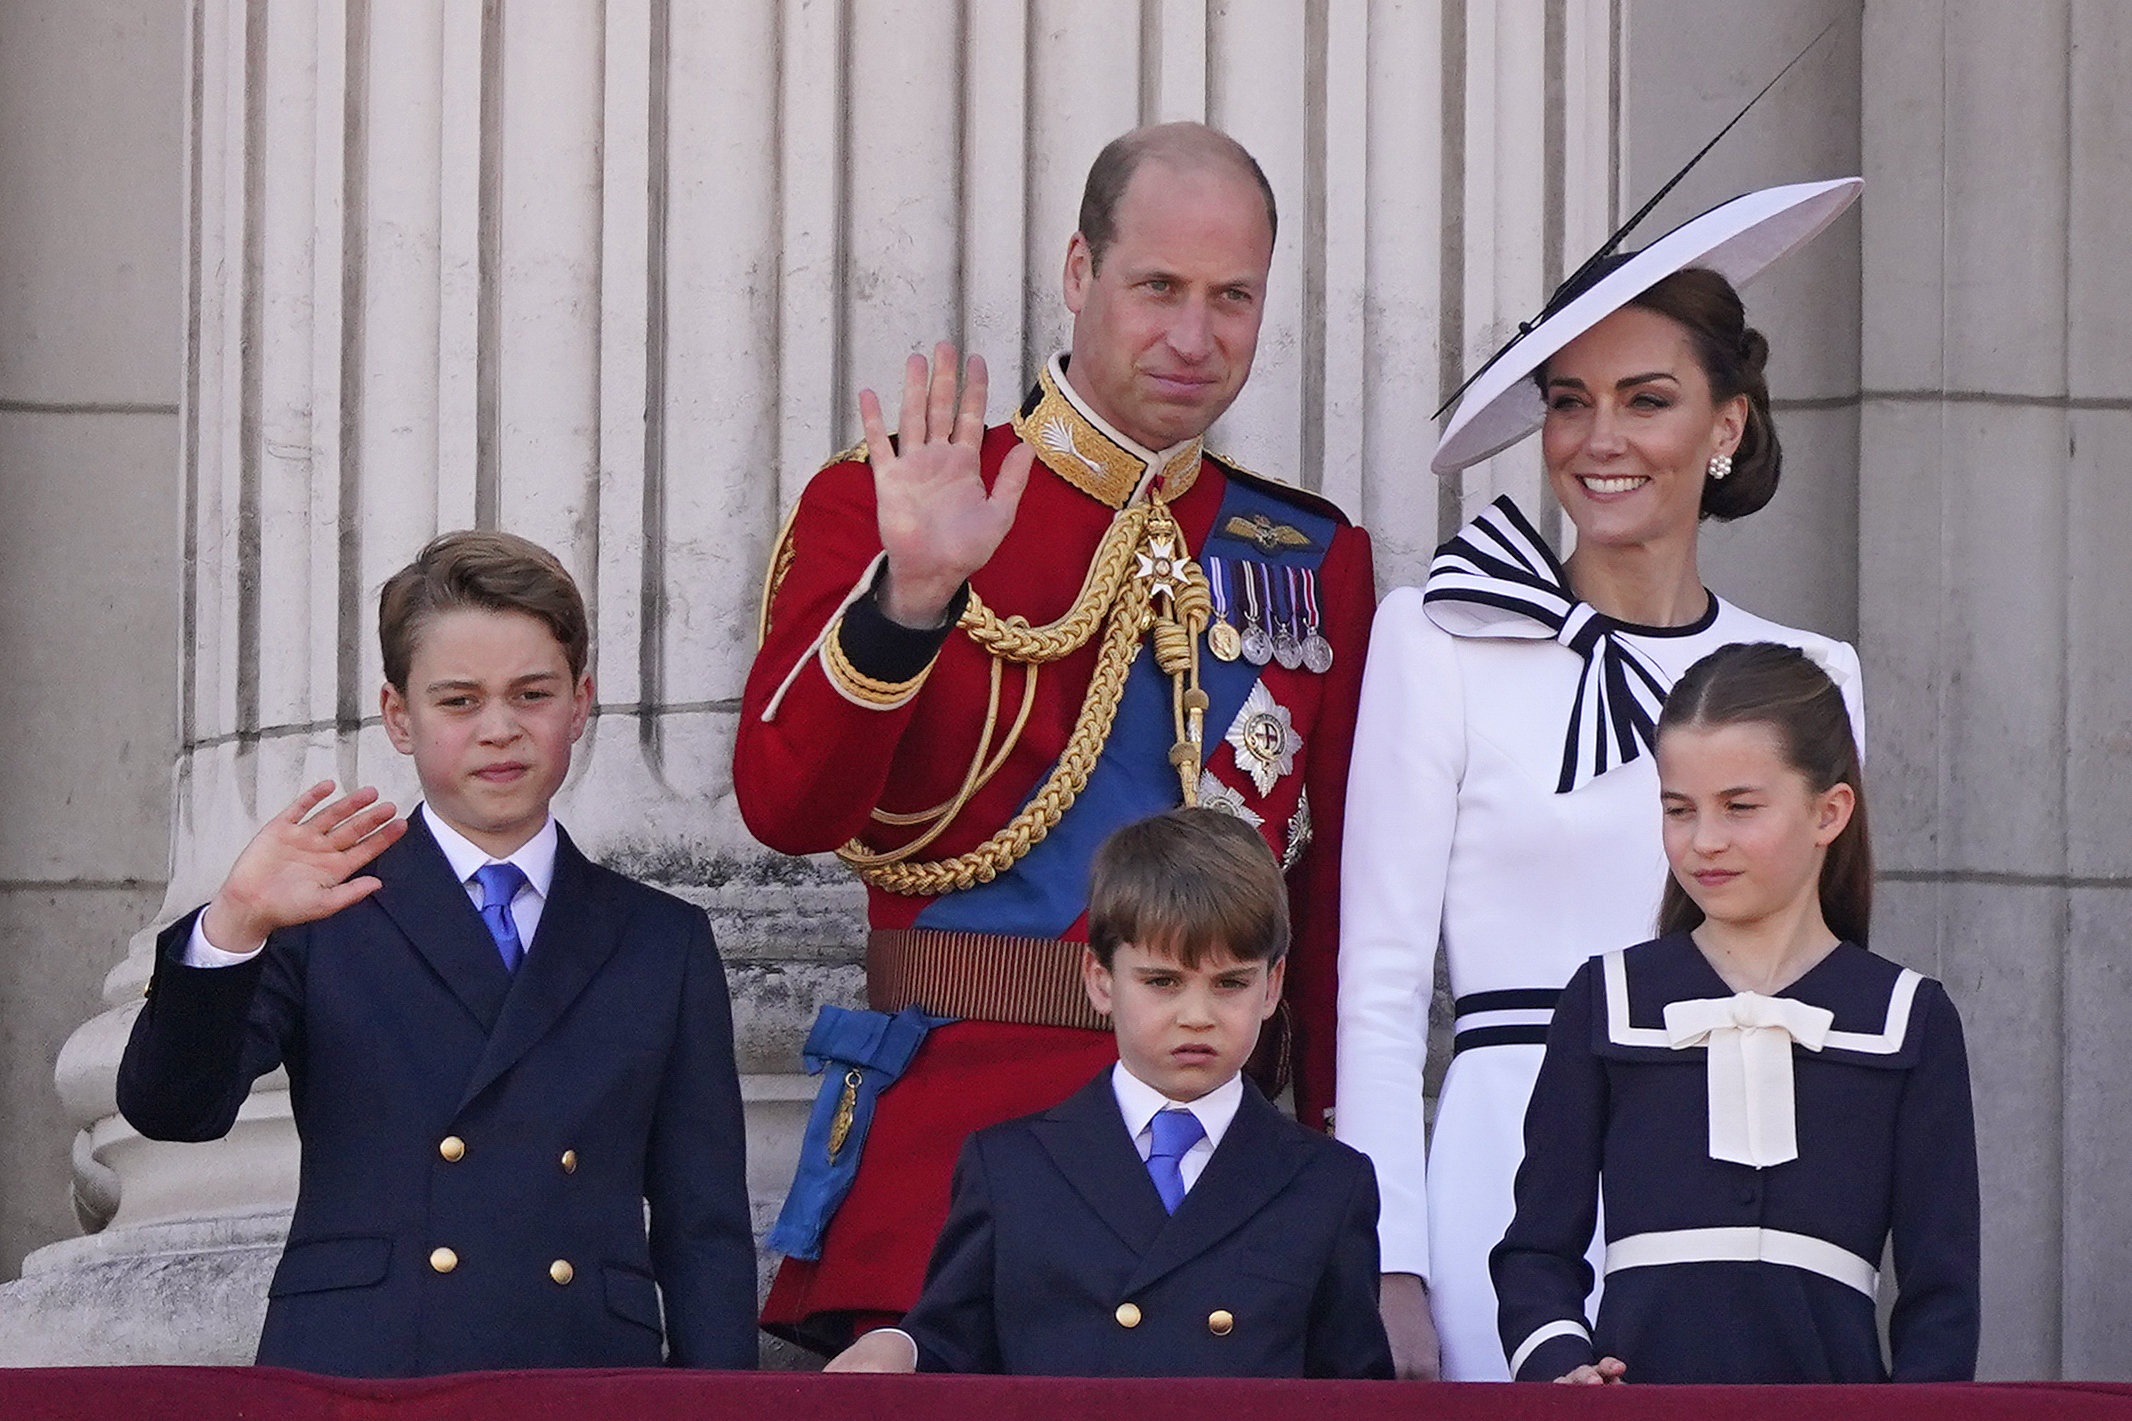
{"x": 1767, "y": 683}
{"x": 1189, "y": 146}
{"x": 494, "y": 572}
{"x": 1190, "y": 882}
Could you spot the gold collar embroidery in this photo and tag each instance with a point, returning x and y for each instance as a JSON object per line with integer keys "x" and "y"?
{"x": 1093, "y": 457}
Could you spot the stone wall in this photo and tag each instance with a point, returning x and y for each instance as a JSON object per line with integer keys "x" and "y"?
{"x": 91, "y": 137}
{"x": 297, "y": 285}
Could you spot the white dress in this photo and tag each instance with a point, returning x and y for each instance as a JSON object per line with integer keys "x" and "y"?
{"x": 1456, "y": 834}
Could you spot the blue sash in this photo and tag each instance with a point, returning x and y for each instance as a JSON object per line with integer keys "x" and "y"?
{"x": 1044, "y": 893}
{"x": 861, "y": 1053}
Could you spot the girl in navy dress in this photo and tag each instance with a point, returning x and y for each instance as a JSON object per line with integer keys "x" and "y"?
{"x": 1763, "y": 1103}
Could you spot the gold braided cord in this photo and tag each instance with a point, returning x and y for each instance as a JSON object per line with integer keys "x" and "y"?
{"x": 946, "y": 813}
{"x": 969, "y": 776}
{"x": 949, "y": 808}
{"x": 1194, "y": 601}
{"x": 1108, "y": 572}
{"x": 1014, "y": 732}
{"x": 1167, "y": 601}
{"x": 1176, "y": 642}
{"x": 1037, "y": 818}
{"x": 1013, "y": 638}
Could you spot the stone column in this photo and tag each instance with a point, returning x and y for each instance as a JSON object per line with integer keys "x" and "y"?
{"x": 1795, "y": 561}
{"x": 610, "y": 276}
{"x": 89, "y": 94}
{"x": 1534, "y": 174}
{"x": 1993, "y": 584}
{"x": 447, "y": 266}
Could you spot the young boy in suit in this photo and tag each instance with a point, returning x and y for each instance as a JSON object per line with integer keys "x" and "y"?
{"x": 498, "y": 1052}
{"x": 1165, "y": 1220}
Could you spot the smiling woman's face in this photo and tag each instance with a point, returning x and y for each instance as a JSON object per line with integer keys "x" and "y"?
{"x": 1630, "y": 430}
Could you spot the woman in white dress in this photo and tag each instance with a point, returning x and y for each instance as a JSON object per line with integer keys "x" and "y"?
{"x": 1503, "y": 801}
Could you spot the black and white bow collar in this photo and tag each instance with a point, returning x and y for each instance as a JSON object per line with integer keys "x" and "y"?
{"x": 1498, "y": 578}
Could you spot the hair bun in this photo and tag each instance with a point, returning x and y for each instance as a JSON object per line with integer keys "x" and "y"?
{"x": 1754, "y": 351}
{"x": 1732, "y": 355}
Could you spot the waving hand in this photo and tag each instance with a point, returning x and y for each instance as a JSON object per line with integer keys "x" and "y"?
{"x": 938, "y": 522}
{"x": 295, "y": 869}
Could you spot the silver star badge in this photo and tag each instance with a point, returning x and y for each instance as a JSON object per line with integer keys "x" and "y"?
{"x": 1265, "y": 738}
{"x": 1213, "y": 794}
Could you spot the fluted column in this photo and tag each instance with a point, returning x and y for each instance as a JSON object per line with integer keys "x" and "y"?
{"x": 1993, "y": 584}
{"x": 1538, "y": 172}
{"x": 610, "y": 276}
{"x": 455, "y": 265}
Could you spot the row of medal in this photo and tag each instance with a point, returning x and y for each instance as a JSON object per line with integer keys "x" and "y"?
{"x": 1278, "y": 611}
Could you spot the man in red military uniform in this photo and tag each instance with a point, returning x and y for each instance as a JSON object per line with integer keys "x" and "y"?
{"x": 983, "y": 650}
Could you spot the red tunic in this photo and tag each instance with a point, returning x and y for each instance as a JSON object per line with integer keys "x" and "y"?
{"x": 813, "y": 761}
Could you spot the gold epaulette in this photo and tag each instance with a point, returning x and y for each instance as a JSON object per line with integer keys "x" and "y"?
{"x": 856, "y": 454}
{"x": 773, "y": 576}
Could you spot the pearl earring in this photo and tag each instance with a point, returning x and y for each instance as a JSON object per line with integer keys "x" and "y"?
{"x": 1720, "y": 465}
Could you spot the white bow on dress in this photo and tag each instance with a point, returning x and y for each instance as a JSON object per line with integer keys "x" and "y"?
{"x": 1749, "y": 1039}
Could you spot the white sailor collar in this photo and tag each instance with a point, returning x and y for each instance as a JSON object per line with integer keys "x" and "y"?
{"x": 1872, "y": 1003}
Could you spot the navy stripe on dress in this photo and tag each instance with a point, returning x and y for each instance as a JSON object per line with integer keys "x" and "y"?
{"x": 1500, "y": 562}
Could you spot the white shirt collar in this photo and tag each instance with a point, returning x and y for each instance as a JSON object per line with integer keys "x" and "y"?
{"x": 1138, "y": 1101}
{"x": 535, "y": 857}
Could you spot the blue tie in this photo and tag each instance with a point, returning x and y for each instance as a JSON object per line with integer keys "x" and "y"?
{"x": 1175, "y": 1131}
{"x": 500, "y": 883}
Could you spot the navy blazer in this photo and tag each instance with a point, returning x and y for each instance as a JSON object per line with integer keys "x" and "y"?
{"x": 1057, "y": 1257}
{"x": 478, "y": 1146}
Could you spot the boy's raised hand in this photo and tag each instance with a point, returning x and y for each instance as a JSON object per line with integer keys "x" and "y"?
{"x": 295, "y": 869}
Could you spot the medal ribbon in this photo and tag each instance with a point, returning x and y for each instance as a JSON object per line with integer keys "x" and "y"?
{"x": 1218, "y": 587}
{"x": 1310, "y": 599}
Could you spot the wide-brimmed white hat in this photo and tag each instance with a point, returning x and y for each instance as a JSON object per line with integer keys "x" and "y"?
{"x": 1738, "y": 240}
